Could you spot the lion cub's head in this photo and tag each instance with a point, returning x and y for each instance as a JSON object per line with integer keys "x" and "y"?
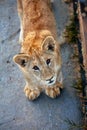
{"x": 41, "y": 67}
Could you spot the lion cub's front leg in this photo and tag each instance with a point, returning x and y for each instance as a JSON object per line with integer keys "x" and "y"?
{"x": 31, "y": 94}
{"x": 54, "y": 91}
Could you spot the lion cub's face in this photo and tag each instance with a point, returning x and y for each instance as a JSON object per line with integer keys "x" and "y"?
{"x": 42, "y": 66}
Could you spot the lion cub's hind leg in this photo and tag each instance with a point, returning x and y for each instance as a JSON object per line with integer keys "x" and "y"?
{"x": 20, "y": 13}
{"x": 31, "y": 94}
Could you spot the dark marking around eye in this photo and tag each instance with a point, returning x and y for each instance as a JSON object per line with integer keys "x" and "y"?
{"x": 36, "y": 68}
{"x": 48, "y": 61}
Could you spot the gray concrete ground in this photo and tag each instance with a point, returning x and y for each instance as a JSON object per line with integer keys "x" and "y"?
{"x": 16, "y": 112}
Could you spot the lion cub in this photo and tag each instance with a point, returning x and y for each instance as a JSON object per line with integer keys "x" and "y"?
{"x": 39, "y": 59}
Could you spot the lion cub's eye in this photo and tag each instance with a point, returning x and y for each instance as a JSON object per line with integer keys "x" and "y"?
{"x": 36, "y": 68}
{"x": 48, "y": 61}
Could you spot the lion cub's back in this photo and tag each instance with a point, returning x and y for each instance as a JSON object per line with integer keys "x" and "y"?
{"x": 37, "y": 15}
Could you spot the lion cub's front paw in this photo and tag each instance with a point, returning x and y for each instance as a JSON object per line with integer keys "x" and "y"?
{"x": 31, "y": 94}
{"x": 52, "y": 92}
{"x": 59, "y": 85}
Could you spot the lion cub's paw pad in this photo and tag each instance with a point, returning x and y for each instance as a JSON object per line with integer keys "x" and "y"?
{"x": 31, "y": 94}
{"x": 52, "y": 92}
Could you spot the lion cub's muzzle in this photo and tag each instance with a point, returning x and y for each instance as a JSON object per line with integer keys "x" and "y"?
{"x": 51, "y": 81}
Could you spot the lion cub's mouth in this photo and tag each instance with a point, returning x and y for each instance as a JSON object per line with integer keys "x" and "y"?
{"x": 51, "y": 81}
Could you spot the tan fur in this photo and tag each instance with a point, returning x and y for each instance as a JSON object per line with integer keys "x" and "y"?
{"x": 40, "y": 59}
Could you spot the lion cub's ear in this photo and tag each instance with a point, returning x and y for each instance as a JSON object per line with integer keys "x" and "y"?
{"x": 49, "y": 44}
{"x": 21, "y": 59}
